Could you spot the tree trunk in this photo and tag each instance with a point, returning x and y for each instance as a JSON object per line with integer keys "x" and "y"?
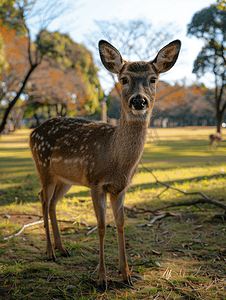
{"x": 219, "y": 116}
{"x": 13, "y": 102}
{"x": 37, "y": 119}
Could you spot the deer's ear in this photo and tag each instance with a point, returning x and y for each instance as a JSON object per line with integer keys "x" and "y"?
{"x": 110, "y": 57}
{"x": 167, "y": 57}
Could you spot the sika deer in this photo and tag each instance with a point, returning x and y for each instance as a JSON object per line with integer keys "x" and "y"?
{"x": 101, "y": 156}
{"x": 215, "y": 139}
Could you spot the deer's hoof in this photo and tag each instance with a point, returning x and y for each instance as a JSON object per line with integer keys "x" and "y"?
{"x": 128, "y": 282}
{"x": 67, "y": 254}
{"x": 103, "y": 286}
{"x": 53, "y": 258}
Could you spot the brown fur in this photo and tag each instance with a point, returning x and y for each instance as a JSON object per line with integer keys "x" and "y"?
{"x": 100, "y": 156}
{"x": 215, "y": 139}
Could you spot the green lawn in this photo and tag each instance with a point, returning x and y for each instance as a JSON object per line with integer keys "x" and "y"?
{"x": 178, "y": 258}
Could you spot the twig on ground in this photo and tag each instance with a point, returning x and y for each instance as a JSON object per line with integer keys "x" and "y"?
{"x": 91, "y": 230}
{"x": 22, "y": 229}
{"x": 21, "y": 214}
{"x": 159, "y": 217}
{"x": 38, "y": 222}
{"x": 92, "y": 273}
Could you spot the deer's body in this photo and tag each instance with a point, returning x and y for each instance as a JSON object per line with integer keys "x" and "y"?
{"x": 100, "y": 156}
{"x": 215, "y": 139}
{"x": 81, "y": 156}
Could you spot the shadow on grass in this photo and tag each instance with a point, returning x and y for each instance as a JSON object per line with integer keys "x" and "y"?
{"x": 26, "y": 190}
{"x": 150, "y": 185}
{"x": 183, "y": 149}
{"x": 78, "y": 194}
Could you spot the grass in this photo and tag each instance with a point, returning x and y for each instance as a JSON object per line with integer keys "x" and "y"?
{"x": 178, "y": 258}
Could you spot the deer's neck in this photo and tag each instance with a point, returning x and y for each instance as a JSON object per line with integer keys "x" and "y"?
{"x": 129, "y": 142}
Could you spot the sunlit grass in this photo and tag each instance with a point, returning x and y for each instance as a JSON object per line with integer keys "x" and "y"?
{"x": 180, "y": 157}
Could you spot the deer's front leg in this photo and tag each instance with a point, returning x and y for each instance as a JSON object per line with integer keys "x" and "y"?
{"x": 99, "y": 203}
{"x": 118, "y": 210}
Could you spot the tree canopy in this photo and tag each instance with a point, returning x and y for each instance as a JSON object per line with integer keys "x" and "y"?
{"x": 209, "y": 24}
{"x": 70, "y": 74}
{"x": 3, "y": 62}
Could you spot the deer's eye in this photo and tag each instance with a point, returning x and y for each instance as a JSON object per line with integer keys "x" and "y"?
{"x": 153, "y": 80}
{"x": 124, "y": 80}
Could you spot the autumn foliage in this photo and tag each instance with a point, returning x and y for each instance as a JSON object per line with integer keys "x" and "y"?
{"x": 66, "y": 74}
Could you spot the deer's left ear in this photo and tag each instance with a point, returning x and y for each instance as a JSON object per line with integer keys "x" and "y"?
{"x": 110, "y": 57}
{"x": 167, "y": 57}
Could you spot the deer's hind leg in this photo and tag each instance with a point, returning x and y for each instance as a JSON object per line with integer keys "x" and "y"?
{"x": 45, "y": 197}
{"x": 60, "y": 190}
{"x": 99, "y": 204}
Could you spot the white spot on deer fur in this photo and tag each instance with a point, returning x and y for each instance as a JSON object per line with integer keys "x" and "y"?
{"x": 43, "y": 149}
{"x": 42, "y": 143}
{"x": 44, "y": 165}
{"x": 67, "y": 161}
{"x": 39, "y": 147}
{"x": 42, "y": 137}
{"x": 81, "y": 147}
{"x": 98, "y": 147}
{"x": 40, "y": 154}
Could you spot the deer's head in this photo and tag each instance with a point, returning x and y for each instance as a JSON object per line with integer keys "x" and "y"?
{"x": 138, "y": 79}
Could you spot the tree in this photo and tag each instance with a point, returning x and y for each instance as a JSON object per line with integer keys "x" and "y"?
{"x": 66, "y": 81}
{"x": 16, "y": 14}
{"x": 221, "y": 4}
{"x": 3, "y": 62}
{"x": 209, "y": 24}
{"x": 69, "y": 78}
{"x": 136, "y": 39}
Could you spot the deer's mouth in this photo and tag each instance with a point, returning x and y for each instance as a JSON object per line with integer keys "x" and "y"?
{"x": 138, "y": 105}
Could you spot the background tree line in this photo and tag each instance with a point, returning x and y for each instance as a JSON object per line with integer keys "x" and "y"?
{"x": 49, "y": 74}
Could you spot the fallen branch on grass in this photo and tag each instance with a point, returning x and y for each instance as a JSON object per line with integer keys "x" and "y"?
{"x": 205, "y": 199}
{"x": 91, "y": 230}
{"x": 166, "y": 214}
{"x": 22, "y": 229}
{"x": 41, "y": 221}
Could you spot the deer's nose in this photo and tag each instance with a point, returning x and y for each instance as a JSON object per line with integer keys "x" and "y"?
{"x": 138, "y": 103}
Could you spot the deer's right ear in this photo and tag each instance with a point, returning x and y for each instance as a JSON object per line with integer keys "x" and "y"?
{"x": 110, "y": 57}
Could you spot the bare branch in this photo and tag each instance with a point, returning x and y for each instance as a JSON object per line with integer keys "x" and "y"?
{"x": 205, "y": 198}
{"x": 22, "y": 229}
